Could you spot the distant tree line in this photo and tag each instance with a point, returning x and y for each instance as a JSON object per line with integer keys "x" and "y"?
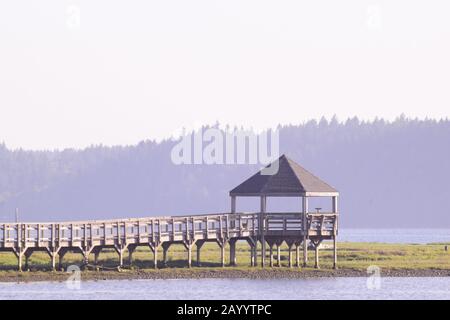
{"x": 390, "y": 174}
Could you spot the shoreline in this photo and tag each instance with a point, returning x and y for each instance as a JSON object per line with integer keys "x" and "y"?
{"x": 213, "y": 273}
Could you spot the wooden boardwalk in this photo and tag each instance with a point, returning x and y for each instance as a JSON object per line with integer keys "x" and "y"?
{"x": 159, "y": 233}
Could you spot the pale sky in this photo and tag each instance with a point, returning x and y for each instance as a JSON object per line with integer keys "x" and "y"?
{"x": 75, "y": 73}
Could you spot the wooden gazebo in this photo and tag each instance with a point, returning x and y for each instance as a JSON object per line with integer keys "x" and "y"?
{"x": 289, "y": 179}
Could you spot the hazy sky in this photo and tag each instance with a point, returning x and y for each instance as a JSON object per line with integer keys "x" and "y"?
{"x": 75, "y": 73}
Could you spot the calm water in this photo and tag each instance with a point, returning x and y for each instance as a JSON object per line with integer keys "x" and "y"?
{"x": 395, "y": 235}
{"x": 325, "y": 288}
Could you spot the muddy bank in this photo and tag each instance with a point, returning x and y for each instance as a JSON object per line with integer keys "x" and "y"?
{"x": 12, "y": 276}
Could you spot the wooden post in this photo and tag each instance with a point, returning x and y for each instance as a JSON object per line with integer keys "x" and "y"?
{"x": 199, "y": 245}
{"x": 297, "y": 255}
{"x": 305, "y": 231}
{"x": 165, "y": 247}
{"x": 255, "y": 254}
{"x": 290, "y": 254}
{"x": 120, "y": 252}
{"x": 252, "y": 255}
{"x": 19, "y": 259}
{"x": 188, "y": 245}
{"x": 130, "y": 254}
{"x": 262, "y": 230}
{"x": 222, "y": 245}
{"x": 27, "y": 260}
{"x": 233, "y": 204}
{"x": 61, "y": 255}
{"x": 19, "y": 233}
{"x": 39, "y": 235}
{"x": 252, "y": 243}
{"x": 189, "y": 256}
{"x": 96, "y": 256}
{"x": 316, "y": 248}
{"x": 334, "y": 204}
{"x": 335, "y": 210}
{"x": 271, "y": 254}
{"x": 85, "y": 253}
{"x": 233, "y": 252}
{"x": 334, "y": 253}
{"x": 155, "y": 256}
{"x": 278, "y": 254}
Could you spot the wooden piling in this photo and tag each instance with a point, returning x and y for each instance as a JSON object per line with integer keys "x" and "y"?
{"x": 233, "y": 261}
{"x": 199, "y": 245}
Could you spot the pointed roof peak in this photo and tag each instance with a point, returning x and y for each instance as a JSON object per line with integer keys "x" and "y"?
{"x": 290, "y": 179}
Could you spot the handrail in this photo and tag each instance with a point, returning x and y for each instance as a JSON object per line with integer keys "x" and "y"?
{"x": 209, "y": 226}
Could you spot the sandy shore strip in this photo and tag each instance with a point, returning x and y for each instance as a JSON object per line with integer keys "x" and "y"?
{"x": 261, "y": 274}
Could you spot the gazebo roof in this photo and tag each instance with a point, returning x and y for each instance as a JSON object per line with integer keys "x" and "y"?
{"x": 290, "y": 180}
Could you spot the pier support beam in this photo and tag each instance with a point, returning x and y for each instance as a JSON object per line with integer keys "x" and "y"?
{"x": 297, "y": 254}
{"x": 305, "y": 229}
{"x": 252, "y": 256}
{"x": 279, "y": 254}
{"x": 334, "y": 253}
{"x": 52, "y": 252}
{"x": 290, "y": 244}
{"x": 27, "y": 255}
{"x": 335, "y": 228}
{"x": 165, "y": 246}
{"x": 271, "y": 254}
{"x": 85, "y": 254}
{"x": 131, "y": 249}
{"x": 233, "y": 252}
{"x": 154, "y": 247}
{"x": 199, "y": 245}
{"x": 262, "y": 228}
{"x": 120, "y": 249}
{"x": 222, "y": 244}
{"x": 316, "y": 245}
{"x": 61, "y": 255}
{"x": 188, "y": 245}
{"x": 253, "y": 251}
{"x": 86, "y": 251}
{"x": 19, "y": 253}
{"x": 96, "y": 253}
{"x": 270, "y": 243}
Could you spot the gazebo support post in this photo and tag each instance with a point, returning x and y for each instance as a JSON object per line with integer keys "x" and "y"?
{"x": 271, "y": 255}
{"x": 335, "y": 210}
{"x": 305, "y": 231}
{"x": 297, "y": 254}
{"x": 262, "y": 224}
{"x": 290, "y": 244}
{"x": 233, "y": 204}
{"x": 334, "y": 253}
{"x": 316, "y": 250}
{"x": 279, "y": 254}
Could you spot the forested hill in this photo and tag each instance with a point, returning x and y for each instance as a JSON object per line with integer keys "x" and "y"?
{"x": 394, "y": 174}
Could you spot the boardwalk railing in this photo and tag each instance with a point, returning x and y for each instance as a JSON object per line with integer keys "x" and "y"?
{"x": 92, "y": 236}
